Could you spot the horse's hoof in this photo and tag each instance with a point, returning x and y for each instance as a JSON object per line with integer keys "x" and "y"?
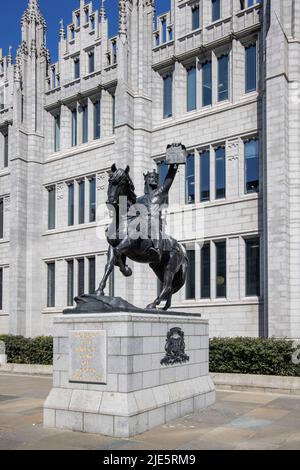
{"x": 99, "y": 293}
{"x": 127, "y": 272}
{"x": 151, "y": 307}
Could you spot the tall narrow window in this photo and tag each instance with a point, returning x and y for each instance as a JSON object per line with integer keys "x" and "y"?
{"x": 190, "y": 280}
{"x": 71, "y": 204}
{"x": 252, "y": 166}
{"x": 163, "y": 169}
{"x": 190, "y": 180}
{"x": 74, "y": 127}
{"x": 70, "y": 280}
{"x": 92, "y": 208}
{"x": 5, "y": 144}
{"x": 51, "y": 208}
{"x": 250, "y": 68}
{"x": 164, "y": 29}
{"x": 1, "y": 219}
{"x": 223, "y": 77}
{"x": 216, "y": 10}
{"x": 206, "y": 84}
{"x": 80, "y": 285}
{"x": 76, "y": 68}
{"x": 85, "y": 124}
{"x": 92, "y": 23}
{"x": 92, "y": 275}
{"x": 220, "y": 173}
{"x": 252, "y": 267}
{"x": 221, "y": 269}
{"x": 205, "y": 271}
{"x": 168, "y": 91}
{"x": 195, "y": 17}
{"x": 191, "y": 89}
{"x": 57, "y": 133}
{"x": 113, "y": 113}
{"x": 97, "y": 120}
{"x": 205, "y": 176}
{"x": 91, "y": 62}
{"x": 81, "y": 202}
{"x": 51, "y": 284}
{"x": 87, "y": 15}
{"x": 1, "y": 288}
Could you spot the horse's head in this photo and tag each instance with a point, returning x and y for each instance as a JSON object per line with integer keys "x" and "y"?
{"x": 120, "y": 184}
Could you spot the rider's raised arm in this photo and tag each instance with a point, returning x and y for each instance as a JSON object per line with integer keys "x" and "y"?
{"x": 169, "y": 178}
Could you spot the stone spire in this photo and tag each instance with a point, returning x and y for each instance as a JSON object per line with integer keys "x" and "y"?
{"x": 62, "y": 29}
{"x": 122, "y": 17}
{"x": 103, "y": 10}
{"x": 33, "y": 13}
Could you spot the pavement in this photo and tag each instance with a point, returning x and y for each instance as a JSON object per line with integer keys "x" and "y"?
{"x": 238, "y": 421}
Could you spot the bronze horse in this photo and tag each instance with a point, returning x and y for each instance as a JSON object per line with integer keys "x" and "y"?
{"x": 166, "y": 257}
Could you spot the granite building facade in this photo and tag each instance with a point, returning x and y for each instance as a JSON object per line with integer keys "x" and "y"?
{"x": 222, "y": 77}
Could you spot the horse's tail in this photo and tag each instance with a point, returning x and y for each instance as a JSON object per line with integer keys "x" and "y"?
{"x": 180, "y": 276}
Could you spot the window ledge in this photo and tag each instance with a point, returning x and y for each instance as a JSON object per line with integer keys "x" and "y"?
{"x": 216, "y": 303}
{"x": 92, "y": 145}
{"x": 3, "y": 313}
{"x": 52, "y": 310}
{"x": 73, "y": 228}
{"x": 3, "y": 241}
{"x": 73, "y": 82}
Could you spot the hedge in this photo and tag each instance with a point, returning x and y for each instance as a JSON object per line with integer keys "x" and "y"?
{"x": 253, "y": 356}
{"x": 22, "y": 350}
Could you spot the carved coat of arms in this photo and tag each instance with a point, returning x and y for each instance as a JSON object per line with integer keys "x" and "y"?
{"x": 175, "y": 348}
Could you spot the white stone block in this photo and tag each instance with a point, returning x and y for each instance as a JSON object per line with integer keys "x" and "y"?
{"x": 69, "y": 420}
{"x": 86, "y": 401}
{"x": 98, "y": 424}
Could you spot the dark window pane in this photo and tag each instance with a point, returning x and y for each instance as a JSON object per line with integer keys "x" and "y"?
{"x": 205, "y": 176}
{"x": 195, "y": 17}
{"x": 70, "y": 295}
{"x": 250, "y": 68}
{"x": 252, "y": 267}
{"x": 163, "y": 169}
{"x": 51, "y": 208}
{"x": 113, "y": 113}
{"x": 168, "y": 89}
{"x": 221, "y": 269}
{"x": 80, "y": 290}
{"x": 76, "y": 68}
{"x": 5, "y": 159}
{"x": 205, "y": 271}
{"x": 51, "y": 285}
{"x": 91, "y": 62}
{"x": 57, "y": 133}
{"x": 97, "y": 120}
{"x": 220, "y": 173}
{"x": 92, "y": 214}
{"x": 85, "y": 125}
{"x": 164, "y": 29}
{"x": 216, "y": 10}
{"x": 206, "y": 84}
{"x": 190, "y": 280}
{"x": 252, "y": 166}
{"x": 1, "y": 219}
{"x": 74, "y": 127}
{"x": 71, "y": 204}
{"x": 190, "y": 179}
{"x": 191, "y": 89}
{"x": 81, "y": 205}
{"x": 92, "y": 275}
{"x": 223, "y": 78}
{"x": 1, "y": 288}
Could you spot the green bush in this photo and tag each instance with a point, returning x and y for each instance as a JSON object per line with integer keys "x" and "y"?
{"x": 22, "y": 350}
{"x": 252, "y": 356}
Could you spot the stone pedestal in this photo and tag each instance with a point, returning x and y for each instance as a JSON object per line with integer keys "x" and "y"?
{"x": 3, "y": 359}
{"x": 108, "y": 377}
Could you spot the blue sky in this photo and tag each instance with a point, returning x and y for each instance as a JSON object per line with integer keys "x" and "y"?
{"x": 53, "y": 11}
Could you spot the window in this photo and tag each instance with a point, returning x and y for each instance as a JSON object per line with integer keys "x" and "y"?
{"x": 190, "y": 179}
{"x": 191, "y": 89}
{"x": 57, "y": 133}
{"x": 70, "y": 280}
{"x": 113, "y": 113}
{"x": 50, "y": 284}
{"x": 76, "y": 68}
{"x": 92, "y": 275}
{"x": 220, "y": 173}
{"x": 190, "y": 279}
{"x": 252, "y": 166}
{"x": 74, "y": 127}
{"x": 168, "y": 91}
{"x": 223, "y": 77}
{"x": 85, "y": 124}
{"x": 221, "y": 269}
{"x": 247, "y": 3}
{"x": 81, "y": 205}
{"x": 205, "y": 176}
{"x": 80, "y": 285}
{"x": 53, "y": 78}
{"x": 77, "y": 20}
{"x": 195, "y": 17}
{"x": 92, "y": 23}
{"x": 252, "y": 267}
{"x": 92, "y": 208}
{"x": 91, "y": 62}
{"x": 205, "y": 271}
{"x": 164, "y": 29}
{"x": 1, "y": 288}
{"x": 250, "y": 68}
{"x": 170, "y": 33}
{"x": 87, "y": 15}
{"x": 71, "y": 204}
{"x": 1, "y": 219}
{"x": 51, "y": 208}
{"x": 97, "y": 120}
{"x": 206, "y": 84}
{"x": 216, "y": 10}
{"x": 163, "y": 169}
{"x": 5, "y": 149}
{"x": 72, "y": 30}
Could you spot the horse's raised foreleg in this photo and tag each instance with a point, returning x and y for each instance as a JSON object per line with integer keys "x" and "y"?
{"x": 111, "y": 261}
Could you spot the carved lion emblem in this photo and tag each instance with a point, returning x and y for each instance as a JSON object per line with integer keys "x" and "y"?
{"x": 175, "y": 348}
